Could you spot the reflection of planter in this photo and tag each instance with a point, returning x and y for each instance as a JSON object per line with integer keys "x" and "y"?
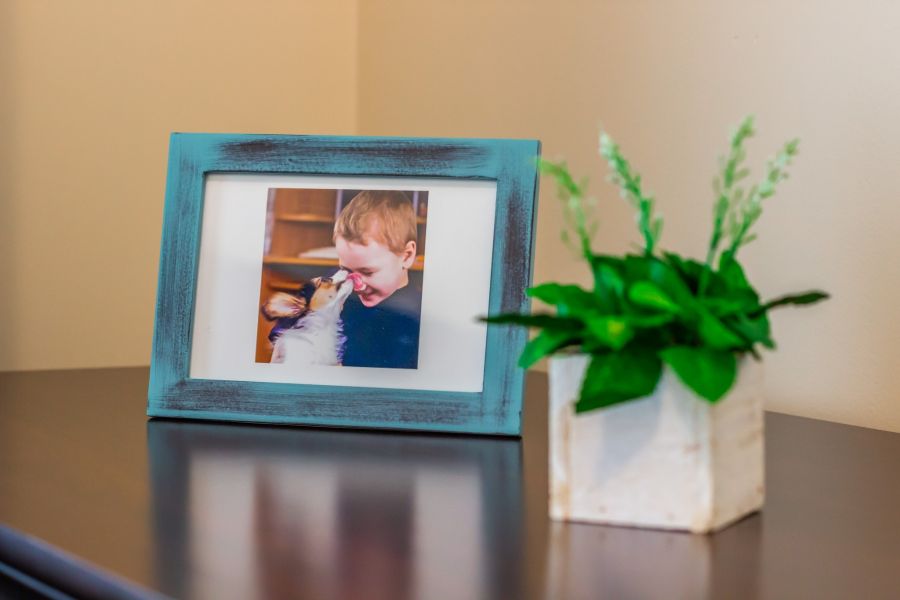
{"x": 670, "y": 460}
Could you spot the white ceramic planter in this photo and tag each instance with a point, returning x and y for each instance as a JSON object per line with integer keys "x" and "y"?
{"x": 670, "y": 460}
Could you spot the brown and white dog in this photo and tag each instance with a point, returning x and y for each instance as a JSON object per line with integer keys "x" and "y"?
{"x": 314, "y": 334}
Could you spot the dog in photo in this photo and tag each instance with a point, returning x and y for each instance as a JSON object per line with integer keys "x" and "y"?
{"x": 309, "y": 330}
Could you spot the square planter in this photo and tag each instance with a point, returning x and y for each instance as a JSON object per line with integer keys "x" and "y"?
{"x": 670, "y": 460}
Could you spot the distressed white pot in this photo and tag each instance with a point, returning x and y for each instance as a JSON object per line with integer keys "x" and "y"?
{"x": 670, "y": 460}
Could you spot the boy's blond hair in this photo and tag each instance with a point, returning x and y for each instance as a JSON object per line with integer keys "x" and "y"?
{"x": 383, "y": 216}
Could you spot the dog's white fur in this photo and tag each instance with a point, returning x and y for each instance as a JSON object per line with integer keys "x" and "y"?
{"x": 317, "y": 338}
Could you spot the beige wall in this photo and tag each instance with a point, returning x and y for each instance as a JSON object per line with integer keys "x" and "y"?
{"x": 669, "y": 80}
{"x": 90, "y": 91}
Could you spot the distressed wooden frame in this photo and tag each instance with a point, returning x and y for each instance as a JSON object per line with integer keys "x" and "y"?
{"x": 494, "y": 410}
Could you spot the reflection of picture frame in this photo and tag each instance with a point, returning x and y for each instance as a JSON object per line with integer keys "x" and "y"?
{"x": 330, "y": 496}
{"x": 316, "y": 225}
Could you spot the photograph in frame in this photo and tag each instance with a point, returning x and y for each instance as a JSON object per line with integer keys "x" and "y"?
{"x": 342, "y": 280}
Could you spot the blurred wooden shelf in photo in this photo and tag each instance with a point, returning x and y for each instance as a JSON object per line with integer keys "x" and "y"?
{"x": 314, "y": 218}
{"x": 296, "y": 260}
{"x": 285, "y": 286}
{"x": 306, "y": 218}
{"x": 270, "y": 261}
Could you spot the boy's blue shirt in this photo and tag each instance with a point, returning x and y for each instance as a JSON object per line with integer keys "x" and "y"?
{"x": 385, "y": 335}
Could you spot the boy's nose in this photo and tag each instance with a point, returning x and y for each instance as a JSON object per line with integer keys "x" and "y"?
{"x": 357, "y": 280}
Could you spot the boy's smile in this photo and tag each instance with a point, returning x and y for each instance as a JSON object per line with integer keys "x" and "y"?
{"x": 381, "y": 271}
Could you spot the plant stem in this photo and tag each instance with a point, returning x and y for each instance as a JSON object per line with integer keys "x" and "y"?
{"x": 752, "y": 208}
{"x": 723, "y": 186}
{"x": 630, "y": 188}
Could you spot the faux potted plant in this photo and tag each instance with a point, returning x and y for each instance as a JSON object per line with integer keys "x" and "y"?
{"x": 656, "y": 414}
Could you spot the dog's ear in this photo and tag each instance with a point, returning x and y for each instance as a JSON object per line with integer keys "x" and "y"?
{"x": 316, "y": 281}
{"x": 281, "y": 305}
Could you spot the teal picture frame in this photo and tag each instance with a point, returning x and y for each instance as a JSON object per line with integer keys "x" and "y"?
{"x": 496, "y": 410}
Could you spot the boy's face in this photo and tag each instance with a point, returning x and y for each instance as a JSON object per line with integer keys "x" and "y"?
{"x": 382, "y": 271}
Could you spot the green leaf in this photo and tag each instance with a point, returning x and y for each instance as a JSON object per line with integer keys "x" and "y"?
{"x": 732, "y": 274}
{"x": 546, "y": 342}
{"x": 608, "y": 282}
{"x": 729, "y": 291}
{"x": 544, "y": 320}
{"x": 755, "y": 330}
{"x": 688, "y": 269}
{"x": 609, "y": 332}
{"x": 650, "y": 321}
{"x": 618, "y": 376}
{"x": 568, "y": 299}
{"x": 737, "y": 303}
{"x": 648, "y": 295}
{"x": 716, "y": 335}
{"x": 798, "y": 299}
{"x": 709, "y": 373}
{"x": 650, "y": 268}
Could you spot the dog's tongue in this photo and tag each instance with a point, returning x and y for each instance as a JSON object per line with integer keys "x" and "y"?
{"x": 356, "y": 278}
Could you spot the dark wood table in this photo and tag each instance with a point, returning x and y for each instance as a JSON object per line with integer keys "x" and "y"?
{"x": 119, "y": 506}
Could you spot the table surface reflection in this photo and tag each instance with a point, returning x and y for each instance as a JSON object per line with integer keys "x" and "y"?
{"x": 202, "y": 510}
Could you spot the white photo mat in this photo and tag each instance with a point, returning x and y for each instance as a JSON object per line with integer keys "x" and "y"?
{"x": 455, "y": 287}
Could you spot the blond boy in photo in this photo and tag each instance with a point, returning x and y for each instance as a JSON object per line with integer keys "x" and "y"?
{"x": 375, "y": 236}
